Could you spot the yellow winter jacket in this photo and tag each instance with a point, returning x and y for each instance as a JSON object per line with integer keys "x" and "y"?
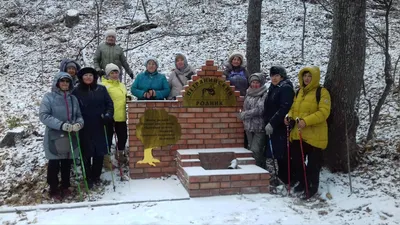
{"x": 117, "y": 92}
{"x": 305, "y": 107}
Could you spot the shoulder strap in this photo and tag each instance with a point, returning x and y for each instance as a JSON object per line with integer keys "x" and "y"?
{"x": 297, "y": 92}
{"x": 180, "y": 81}
{"x": 318, "y": 94}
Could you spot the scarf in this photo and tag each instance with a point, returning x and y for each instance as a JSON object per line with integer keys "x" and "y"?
{"x": 256, "y": 92}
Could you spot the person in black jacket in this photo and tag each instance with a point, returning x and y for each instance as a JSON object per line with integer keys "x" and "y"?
{"x": 97, "y": 111}
{"x": 276, "y": 106}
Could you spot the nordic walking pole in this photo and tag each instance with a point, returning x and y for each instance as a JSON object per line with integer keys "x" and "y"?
{"x": 119, "y": 163}
{"x": 273, "y": 157}
{"x": 108, "y": 149}
{"x": 288, "y": 150}
{"x": 302, "y": 157}
{"x": 83, "y": 164}
{"x": 348, "y": 155}
{"x": 76, "y": 169}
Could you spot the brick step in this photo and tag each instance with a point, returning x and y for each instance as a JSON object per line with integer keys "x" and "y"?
{"x": 194, "y": 153}
{"x": 196, "y": 162}
{"x": 245, "y": 180}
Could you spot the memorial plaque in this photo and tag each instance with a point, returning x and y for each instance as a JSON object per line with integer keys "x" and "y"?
{"x": 209, "y": 92}
{"x": 156, "y": 128}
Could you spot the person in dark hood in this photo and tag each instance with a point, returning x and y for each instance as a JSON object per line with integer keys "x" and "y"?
{"x": 235, "y": 71}
{"x": 71, "y": 67}
{"x": 60, "y": 112}
{"x": 97, "y": 110}
{"x": 276, "y": 106}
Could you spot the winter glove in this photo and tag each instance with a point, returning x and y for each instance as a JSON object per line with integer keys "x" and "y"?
{"x": 107, "y": 118}
{"x": 240, "y": 115}
{"x": 269, "y": 129}
{"x": 131, "y": 75}
{"x": 76, "y": 127}
{"x": 66, "y": 127}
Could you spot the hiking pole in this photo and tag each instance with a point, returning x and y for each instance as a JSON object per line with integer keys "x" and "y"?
{"x": 273, "y": 157}
{"x": 302, "y": 156}
{"x": 119, "y": 163}
{"x": 288, "y": 150}
{"x": 76, "y": 169}
{"x": 83, "y": 164}
{"x": 108, "y": 149}
{"x": 348, "y": 155}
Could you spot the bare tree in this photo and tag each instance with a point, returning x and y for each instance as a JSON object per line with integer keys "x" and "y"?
{"x": 347, "y": 57}
{"x": 304, "y": 30}
{"x": 253, "y": 36}
{"x": 384, "y": 44}
{"x": 145, "y": 11}
{"x": 98, "y": 4}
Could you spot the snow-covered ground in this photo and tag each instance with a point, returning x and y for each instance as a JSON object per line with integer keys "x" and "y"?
{"x": 33, "y": 41}
{"x": 169, "y": 204}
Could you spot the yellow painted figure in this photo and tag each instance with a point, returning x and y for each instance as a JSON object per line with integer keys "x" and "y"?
{"x": 156, "y": 128}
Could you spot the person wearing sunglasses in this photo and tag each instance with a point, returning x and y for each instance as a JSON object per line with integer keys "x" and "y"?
{"x": 60, "y": 112}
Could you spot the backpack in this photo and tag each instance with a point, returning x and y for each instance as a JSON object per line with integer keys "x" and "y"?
{"x": 318, "y": 98}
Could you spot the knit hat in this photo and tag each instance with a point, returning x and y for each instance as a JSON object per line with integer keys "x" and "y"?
{"x": 239, "y": 55}
{"x": 150, "y": 58}
{"x": 278, "y": 70}
{"x": 71, "y": 64}
{"x": 110, "y": 32}
{"x": 111, "y": 67}
{"x": 86, "y": 70}
{"x": 260, "y": 77}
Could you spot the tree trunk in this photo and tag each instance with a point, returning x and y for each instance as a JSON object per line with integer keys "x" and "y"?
{"x": 388, "y": 73}
{"x": 253, "y": 36}
{"x": 344, "y": 80}
{"x": 71, "y": 18}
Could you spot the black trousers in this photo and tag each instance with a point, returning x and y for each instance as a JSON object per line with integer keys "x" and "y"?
{"x": 313, "y": 167}
{"x": 93, "y": 169}
{"x": 53, "y": 168}
{"x": 121, "y": 130}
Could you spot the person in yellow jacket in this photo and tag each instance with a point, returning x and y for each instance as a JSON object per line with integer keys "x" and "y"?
{"x": 311, "y": 117}
{"x": 118, "y": 94}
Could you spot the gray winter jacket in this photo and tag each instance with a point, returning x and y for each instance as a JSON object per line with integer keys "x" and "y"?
{"x": 253, "y": 106}
{"x": 184, "y": 75}
{"x": 106, "y": 54}
{"x": 56, "y": 108}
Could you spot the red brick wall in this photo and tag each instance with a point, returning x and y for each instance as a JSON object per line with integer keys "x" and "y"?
{"x": 216, "y": 127}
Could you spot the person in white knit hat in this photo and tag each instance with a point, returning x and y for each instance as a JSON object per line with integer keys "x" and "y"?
{"x": 109, "y": 52}
{"x": 118, "y": 94}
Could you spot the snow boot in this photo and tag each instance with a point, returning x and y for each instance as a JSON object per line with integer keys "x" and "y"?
{"x": 55, "y": 194}
{"x": 66, "y": 192}
{"x": 122, "y": 159}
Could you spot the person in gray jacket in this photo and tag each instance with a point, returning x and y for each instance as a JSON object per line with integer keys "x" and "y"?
{"x": 60, "y": 112}
{"x": 252, "y": 117}
{"x": 109, "y": 52}
{"x": 179, "y": 76}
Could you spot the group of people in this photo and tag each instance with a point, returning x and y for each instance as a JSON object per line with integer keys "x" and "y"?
{"x": 82, "y": 115}
{"x": 288, "y": 126}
